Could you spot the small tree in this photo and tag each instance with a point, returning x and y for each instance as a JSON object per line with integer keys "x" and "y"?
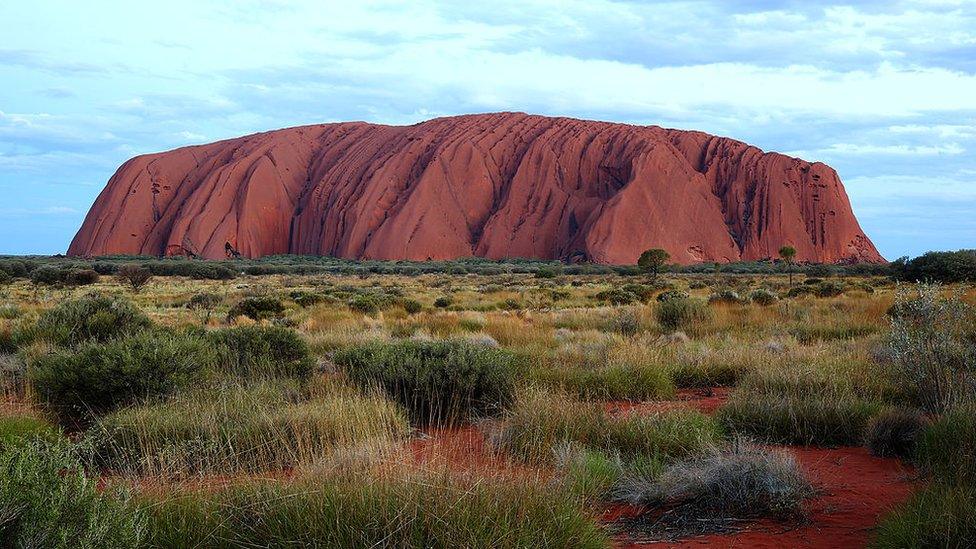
{"x": 134, "y": 276}
{"x": 651, "y": 261}
{"x": 788, "y": 254}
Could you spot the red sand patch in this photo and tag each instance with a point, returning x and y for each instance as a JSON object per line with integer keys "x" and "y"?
{"x": 704, "y": 400}
{"x": 463, "y": 449}
{"x": 855, "y": 491}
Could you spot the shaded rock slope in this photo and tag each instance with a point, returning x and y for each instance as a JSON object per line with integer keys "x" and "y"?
{"x": 494, "y": 185}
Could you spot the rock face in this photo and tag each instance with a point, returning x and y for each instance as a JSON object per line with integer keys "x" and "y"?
{"x": 494, "y": 185}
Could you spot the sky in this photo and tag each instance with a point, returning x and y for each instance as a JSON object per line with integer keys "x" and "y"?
{"x": 883, "y": 91}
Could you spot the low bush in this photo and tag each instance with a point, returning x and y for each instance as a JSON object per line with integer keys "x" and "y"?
{"x": 81, "y": 277}
{"x": 668, "y": 295}
{"x": 91, "y": 318}
{"x": 893, "y": 432}
{"x": 47, "y": 276}
{"x": 742, "y": 480}
{"x": 133, "y": 275}
{"x": 728, "y": 297}
{"x": 99, "y": 377}
{"x": 203, "y": 301}
{"x": 262, "y": 352}
{"x": 418, "y": 510}
{"x": 929, "y": 350}
{"x": 412, "y": 306}
{"x": 946, "y": 449}
{"x": 47, "y": 500}
{"x": 443, "y": 302}
{"x": 829, "y": 288}
{"x": 681, "y": 314}
{"x": 763, "y": 297}
{"x": 306, "y": 299}
{"x": 257, "y": 308}
{"x": 233, "y": 428}
{"x": 936, "y": 516}
{"x": 366, "y": 304}
{"x": 625, "y": 321}
{"x": 436, "y": 381}
{"x": 618, "y": 296}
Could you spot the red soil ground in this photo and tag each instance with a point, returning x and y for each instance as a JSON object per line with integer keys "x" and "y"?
{"x": 854, "y": 489}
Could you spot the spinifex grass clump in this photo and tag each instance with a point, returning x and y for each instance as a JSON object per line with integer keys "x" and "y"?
{"x": 261, "y": 352}
{"x": 946, "y": 449}
{"x": 937, "y": 516}
{"x": 438, "y": 382}
{"x": 263, "y": 427}
{"x": 96, "y": 377}
{"x": 415, "y": 510}
{"x": 257, "y": 308}
{"x": 23, "y": 429}
{"x": 540, "y": 423}
{"x": 740, "y": 480}
{"x": 930, "y": 350}
{"x": 803, "y": 406}
{"x": 91, "y": 318}
{"x": 894, "y": 432}
{"x": 47, "y": 500}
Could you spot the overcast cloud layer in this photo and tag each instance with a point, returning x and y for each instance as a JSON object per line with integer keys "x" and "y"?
{"x": 885, "y": 92}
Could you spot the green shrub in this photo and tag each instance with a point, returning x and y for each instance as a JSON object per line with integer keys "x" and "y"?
{"x": 946, "y": 449}
{"x": 419, "y": 510}
{"x": 412, "y": 306}
{"x": 680, "y": 314}
{"x": 81, "y": 277}
{"x": 959, "y": 266}
{"x": 893, "y": 432}
{"x": 365, "y": 303}
{"x": 436, "y": 381}
{"x": 47, "y": 276}
{"x": 47, "y": 500}
{"x": 728, "y": 297}
{"x": 829, "y": 288}
{"x": 618, "y": 296}
{"x": 763, "y": 297}
{"x": 99, "y": 377}
{"x": 937, "y": 516}
{"x": 263, "y": 352}
{"x": 203, "y": 301}
{"x": 443, "y": 302}
{"x": 233, "y": 428}
{"x": 642, "y": 291}
{"x": 668, "y": 295}
{"x": 257, "y": 308}
{"x": 91, "y": 318}
{"x": 929, "y": 351}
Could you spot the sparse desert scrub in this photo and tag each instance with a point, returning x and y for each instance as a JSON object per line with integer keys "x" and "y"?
{"x": 739, "y": 480}
{"x": 540, "y": 423}
{"x": 97, "y": 377}
{"x": 267, "y": 426}
{"x": 894, "y": 432}
{"x": 47, "y": 500}
{"x": 937, "y": 516}
{"x": 415, "y": 510}
{"x": 438, "y": 382}
{"x": 946, "y": 449}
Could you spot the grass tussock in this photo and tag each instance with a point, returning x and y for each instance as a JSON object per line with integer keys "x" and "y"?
{"x": 937, "y": 516}
{"x": 539, "y": 424}
{"x": 946, "y": 449}
{"x": 740, "y": 480}
{"x": 230, "y": 429}
{"x": 894, "y": 432}
{"x": 422, "y": 510}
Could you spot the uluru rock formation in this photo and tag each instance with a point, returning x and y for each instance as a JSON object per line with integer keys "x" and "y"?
{"x": 493, "y": 185}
